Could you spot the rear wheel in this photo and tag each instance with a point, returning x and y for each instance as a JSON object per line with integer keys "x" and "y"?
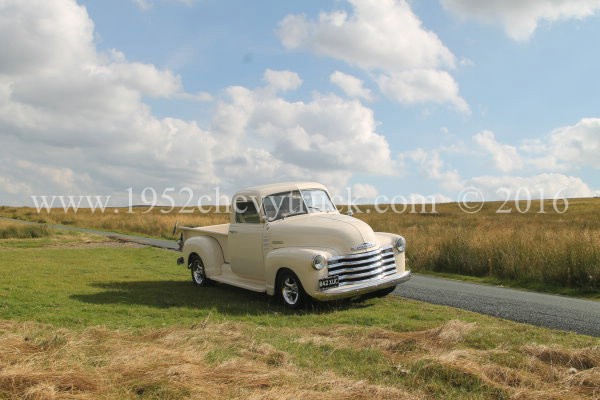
{"x": 197, "y": 271}
{"x": 290, "y": 290}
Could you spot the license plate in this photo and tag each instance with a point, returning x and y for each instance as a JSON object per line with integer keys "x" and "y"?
{"x": 332, "y": 281}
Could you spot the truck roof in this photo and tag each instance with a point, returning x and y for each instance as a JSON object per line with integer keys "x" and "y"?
{"x": 265, "y": 190}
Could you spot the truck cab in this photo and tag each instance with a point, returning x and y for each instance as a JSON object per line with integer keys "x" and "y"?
{"x": 289, "y": 240}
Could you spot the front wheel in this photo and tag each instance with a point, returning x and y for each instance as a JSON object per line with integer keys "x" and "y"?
{"x": 198, "y": 272}
{"x": 290, "y": 290}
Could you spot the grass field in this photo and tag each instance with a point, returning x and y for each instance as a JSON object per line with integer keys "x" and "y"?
{"x": 551, "y": 251}
{"x": 10, "y": 230}
{"x": 85, "y": 317}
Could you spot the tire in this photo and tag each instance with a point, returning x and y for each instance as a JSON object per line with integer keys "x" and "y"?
{"x": 197, "y": 270}
{"x": 290, "y": 290}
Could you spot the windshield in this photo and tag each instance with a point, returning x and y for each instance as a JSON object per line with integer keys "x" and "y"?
{"x": 296, "y": 202}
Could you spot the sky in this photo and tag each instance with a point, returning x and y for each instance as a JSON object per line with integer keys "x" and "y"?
{"x": 386, "y": 98}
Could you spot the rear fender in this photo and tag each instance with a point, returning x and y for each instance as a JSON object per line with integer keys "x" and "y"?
{"x": 209, "y": 251}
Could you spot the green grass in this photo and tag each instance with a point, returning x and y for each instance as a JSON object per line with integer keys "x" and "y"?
{"x": 144, "y": 287}
{"x": 144, "y": 295}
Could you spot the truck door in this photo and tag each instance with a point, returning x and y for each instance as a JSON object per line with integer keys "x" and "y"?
{"x": 246, "y": 241}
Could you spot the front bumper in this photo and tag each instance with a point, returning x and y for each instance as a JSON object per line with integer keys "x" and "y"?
{"x": 361, "y": 288}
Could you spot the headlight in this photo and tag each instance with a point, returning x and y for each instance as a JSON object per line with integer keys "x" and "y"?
{"x": 400, "y": 244}
{"x": 319, "y": 262}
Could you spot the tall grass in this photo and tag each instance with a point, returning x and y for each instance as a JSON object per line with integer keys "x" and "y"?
{"x": 561, "y": 250}
{"x": 156, "y": 223}
{"x": 554, "y": 249}
{"x": 565, "y": 258}
{"x": 18, "y": 231}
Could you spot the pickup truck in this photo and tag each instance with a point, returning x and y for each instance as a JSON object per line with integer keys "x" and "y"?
{"x": 289, "y": 240}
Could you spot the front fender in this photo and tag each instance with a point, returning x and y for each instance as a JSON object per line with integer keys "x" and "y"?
{"x": 299, "y": 261}
{"x": 389, "y": 239}
{"x": 386, "y": 239}
{"x": 209, "y": 251}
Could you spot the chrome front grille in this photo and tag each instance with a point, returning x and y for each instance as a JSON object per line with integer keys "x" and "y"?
{"x": 362, "y": 267}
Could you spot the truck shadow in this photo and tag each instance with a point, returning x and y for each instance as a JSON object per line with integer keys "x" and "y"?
{"x": 224, "y": 298}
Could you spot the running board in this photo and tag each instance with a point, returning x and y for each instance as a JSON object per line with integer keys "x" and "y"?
{"x": 230, "y": 278}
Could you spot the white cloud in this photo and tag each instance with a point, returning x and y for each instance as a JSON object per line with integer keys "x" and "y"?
{"x": 10, "y": 187}
{"x": 282, "y": 80}
{"x": 326, "y": 133}
{"x": 146, "y": 5}
{"x": 565, "y": 148}
{"x": 200, "y": 96}
{"x": 578, "y": 145}
{"x": 543, "y": 185}
{"x": 548, "y": 185}
{"x": 505, "y": 157}
{"x": 364, "y": 192}
{"x": 351, "y": 85}
{"x": 73, "y": 120}
{"x": 387, "y": 38}
{"x": 520, "y": 18}
{"x": 432, "y": 167}
{"x": 380, "y": 34}
{"x": 143, "y": 5}
{"x": 33, "y": 43}
{"x": 422, "y": 86}
{"x": 143, "y": 78}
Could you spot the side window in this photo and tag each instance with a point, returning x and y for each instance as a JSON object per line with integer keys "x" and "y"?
{"x": 246, "y": 213}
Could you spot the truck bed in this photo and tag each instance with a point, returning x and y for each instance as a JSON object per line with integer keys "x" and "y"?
{"x": 222, "y": 229}
{"x": 219, "y": 232}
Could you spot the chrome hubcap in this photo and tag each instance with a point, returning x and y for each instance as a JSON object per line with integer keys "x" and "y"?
{"x": 290, "y": 290}
{"x": 198, "y": 272}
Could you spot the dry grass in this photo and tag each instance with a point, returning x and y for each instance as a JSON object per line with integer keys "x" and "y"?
{"x": 167, "y": 364}
{"x": 15, "y": 234}
{"x": 154, "y": 223}
{"x": 11, "y": 230}
{"x": 41, "y": 362}
{"x": 541, "y": 250}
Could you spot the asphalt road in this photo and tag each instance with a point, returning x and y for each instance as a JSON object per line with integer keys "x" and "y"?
{"x": 550, "y": 311}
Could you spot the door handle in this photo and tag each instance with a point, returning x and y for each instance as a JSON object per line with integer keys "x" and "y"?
{"x": 233, "y": 231}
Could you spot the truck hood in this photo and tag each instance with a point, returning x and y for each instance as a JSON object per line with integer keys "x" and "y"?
{"x": 341, "y": 233}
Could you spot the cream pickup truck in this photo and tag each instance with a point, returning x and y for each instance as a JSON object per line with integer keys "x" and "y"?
{"x": 289, "y": 240}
